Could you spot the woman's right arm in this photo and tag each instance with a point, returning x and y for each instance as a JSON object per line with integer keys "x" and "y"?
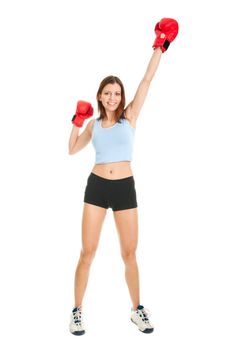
{"x": 78, "y": 142}
{"x": 73, "y": 137}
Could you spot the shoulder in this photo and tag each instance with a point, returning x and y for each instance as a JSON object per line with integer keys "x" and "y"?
{"x": 90, "y": 125}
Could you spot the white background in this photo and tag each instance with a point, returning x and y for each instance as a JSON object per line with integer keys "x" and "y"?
{"x": 54, "y": 53}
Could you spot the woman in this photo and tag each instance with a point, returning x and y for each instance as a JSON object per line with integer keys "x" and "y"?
{"x": 111, "y": 182}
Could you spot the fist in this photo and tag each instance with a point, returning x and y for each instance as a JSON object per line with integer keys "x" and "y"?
{"x": 84, "y": 110}
{"x": 166, "y": 31}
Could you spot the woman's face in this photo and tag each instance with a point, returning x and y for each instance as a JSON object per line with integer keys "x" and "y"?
{"x": 111, "y": 96}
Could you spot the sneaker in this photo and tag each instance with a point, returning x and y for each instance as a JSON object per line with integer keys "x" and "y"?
{"x": 140, "y": 317}
{"x": 76, "y": 322}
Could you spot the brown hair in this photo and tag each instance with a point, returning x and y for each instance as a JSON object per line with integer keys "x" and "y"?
{"x": 119, "y": 112}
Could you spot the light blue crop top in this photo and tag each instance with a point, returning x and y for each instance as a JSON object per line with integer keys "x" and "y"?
{"x": 113, "y": 144}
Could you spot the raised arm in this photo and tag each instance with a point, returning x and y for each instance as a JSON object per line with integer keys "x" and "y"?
{"x": 166, "y": 31}
{"x": 133, "y": 109}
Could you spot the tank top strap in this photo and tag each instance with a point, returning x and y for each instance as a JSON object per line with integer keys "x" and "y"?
{"x": 97, "y": 124}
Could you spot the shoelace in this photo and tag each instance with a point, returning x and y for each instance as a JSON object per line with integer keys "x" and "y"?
{"x": 77, "y": 316}
{"x": 145, "y": 314}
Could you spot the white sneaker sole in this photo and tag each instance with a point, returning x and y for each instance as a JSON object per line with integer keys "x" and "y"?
{"x": 78, "y": 332}
{"x": 147, "y": 330}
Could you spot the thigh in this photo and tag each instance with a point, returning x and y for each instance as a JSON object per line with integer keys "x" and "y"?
{"x": 127, "y": 228}
{"x": 92, "y": 221}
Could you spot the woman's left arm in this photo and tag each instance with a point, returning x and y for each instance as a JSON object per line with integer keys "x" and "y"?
{"x": 166, "y": 31}
{"x": 133, "y": 109}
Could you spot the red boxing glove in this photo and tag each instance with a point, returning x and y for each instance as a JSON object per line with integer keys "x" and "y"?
{"x": 166, "y": 31}
{"x": 84, "y": 110}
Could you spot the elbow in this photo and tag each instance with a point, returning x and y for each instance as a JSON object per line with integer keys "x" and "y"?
{"x": 71, "y": 151}
{"x": 71, "y": 148}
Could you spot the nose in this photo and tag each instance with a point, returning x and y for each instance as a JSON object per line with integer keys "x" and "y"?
{"x": 111, "y": 98}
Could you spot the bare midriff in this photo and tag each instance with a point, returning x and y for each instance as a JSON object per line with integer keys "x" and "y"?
{"x": 113, "y": 171}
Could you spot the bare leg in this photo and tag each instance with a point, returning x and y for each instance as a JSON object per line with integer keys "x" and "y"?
{"x": 93, "y": 217}
{"x": 132, "y": 278}
{"x": 127, "y": 227}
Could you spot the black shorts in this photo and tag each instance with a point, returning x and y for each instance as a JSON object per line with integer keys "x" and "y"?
{"x": 117, "y": 194}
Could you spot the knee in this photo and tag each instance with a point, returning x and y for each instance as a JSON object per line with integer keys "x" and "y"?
{"x": 87, "y": 256}
{"x": 129, "y": 256}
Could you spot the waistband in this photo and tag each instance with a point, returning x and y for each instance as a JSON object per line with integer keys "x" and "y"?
{"x": 103, "y": 179}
